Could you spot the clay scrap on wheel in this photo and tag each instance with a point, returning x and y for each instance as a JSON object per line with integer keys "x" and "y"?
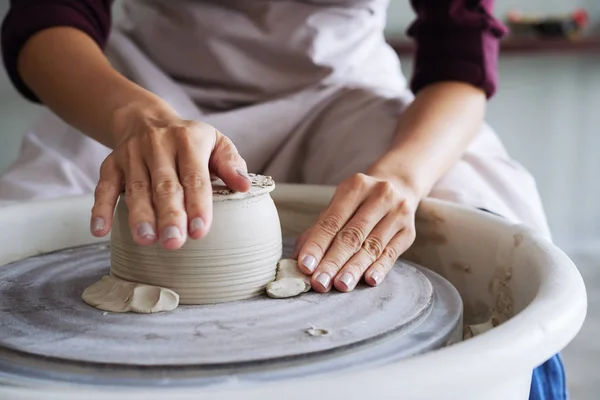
{"x": 290, "y": 281}
{"x": 117, "y": 295}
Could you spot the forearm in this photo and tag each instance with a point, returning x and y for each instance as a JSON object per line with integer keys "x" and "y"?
{"x": 432, "y": 135}
{"x": 67, "y": 70}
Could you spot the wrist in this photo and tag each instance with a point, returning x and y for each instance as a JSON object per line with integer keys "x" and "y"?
{"x": 405, "y": 176}
{"x": 127, "y": 117}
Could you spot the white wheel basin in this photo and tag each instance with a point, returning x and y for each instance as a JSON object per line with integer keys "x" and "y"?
{"x": 505, "y": 271}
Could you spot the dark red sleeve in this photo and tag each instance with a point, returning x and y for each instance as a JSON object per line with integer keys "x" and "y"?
{"x": 27, "y": 17}
{"x": 456, "y": 40}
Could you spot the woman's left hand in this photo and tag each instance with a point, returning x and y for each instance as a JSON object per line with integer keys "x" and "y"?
{"x": 369, "y": 223}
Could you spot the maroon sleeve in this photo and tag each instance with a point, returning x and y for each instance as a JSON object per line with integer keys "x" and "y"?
{"x": 27, "y": 17}
{"x": 456, "y": 40}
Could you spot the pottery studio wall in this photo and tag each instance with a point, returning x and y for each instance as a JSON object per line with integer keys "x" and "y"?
{"x": 546, "y": 112}
{"x": 549, "y": 121}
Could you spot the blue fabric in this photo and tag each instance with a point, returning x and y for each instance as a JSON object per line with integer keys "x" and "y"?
{"x": 548, "y": 381}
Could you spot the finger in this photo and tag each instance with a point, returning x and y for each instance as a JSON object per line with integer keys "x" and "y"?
{"x": 167, "y": 193}
{"x": 138, "y": 196}
{"x": 346, "y": 200}
{"x": 300, "y": 242}
{"x": 372, "y": 248}
{"x": 105, "y": 197}
{"x": 195, "y": 178}
{"x": 351, "y": 237}
{"x": 398, "y": 245}
{"x": 228, "y": 165}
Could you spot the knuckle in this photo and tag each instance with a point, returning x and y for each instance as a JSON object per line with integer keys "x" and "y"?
{"x": 330, "y": 224}
{"x": 390, "y": 254}
{"x": 171, "y": 214}
{"x": 224, "y": 157}
{"x": 183, "y": 137}
{"x": 406, "y": 209}
{"x": 136, "y": 187}
{"x": 387, "y": 190}
{"x": 192, "y": 180}
{"x": 359, "y": 180}
{"x": 167, "y": 187}
{"x": 105, "y": 188}
{"x": 373, "y": 246}
{"x": 225, "y": 144}
{"x": 352, "y": 237}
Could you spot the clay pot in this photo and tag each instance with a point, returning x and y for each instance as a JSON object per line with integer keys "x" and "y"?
{"x": 234, "y": 261}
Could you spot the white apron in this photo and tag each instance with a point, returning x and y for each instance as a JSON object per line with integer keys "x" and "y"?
{"x": 308, "y": 90}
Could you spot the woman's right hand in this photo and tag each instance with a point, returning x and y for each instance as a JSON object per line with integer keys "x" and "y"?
{"x": 164, "y": 163}
{"x": 161, "y": 160}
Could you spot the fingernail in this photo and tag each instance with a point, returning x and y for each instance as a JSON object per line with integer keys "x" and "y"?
{"x": 170, "y": 232}
{"x": 243, "y": 173}
{"x": 323, "y": 279}
{"x": 146, "y": 231}
{"x": 310, "y": 263}
{"x": 377, "y": 277}
{"x": 348, "y": 280}
{"x": 196, "y": 224}
{"x": 98, "y": 224}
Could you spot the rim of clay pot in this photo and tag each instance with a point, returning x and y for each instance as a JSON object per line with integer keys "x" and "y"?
{"x": 261, "y": 184}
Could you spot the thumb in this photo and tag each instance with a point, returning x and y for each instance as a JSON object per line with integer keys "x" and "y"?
{"x": 227, "y": 164}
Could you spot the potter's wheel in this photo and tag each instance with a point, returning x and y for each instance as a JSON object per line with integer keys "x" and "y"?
{"x": 47, "y": 333}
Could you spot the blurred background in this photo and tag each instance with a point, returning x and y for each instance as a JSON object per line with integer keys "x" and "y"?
{"x": 547, "y": 111}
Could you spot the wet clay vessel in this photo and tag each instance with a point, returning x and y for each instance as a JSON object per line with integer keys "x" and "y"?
{"x": 234, "y": 261}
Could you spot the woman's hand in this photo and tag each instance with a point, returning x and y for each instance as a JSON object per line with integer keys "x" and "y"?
{"x": 370, "y": 220}
{"x": 164, "y": 163}
{"x": 369, "y": 223}
{"x": 161, "y": 160}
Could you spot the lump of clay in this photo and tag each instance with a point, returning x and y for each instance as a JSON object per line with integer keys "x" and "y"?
{"x": 117, "y": 295}
{"x": 290, "y": 281}
{"x": 470, "y": 331}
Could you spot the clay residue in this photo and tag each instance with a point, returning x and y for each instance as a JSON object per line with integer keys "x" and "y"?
{"x": 257, "y": 181}
{"x": 461, "y": 267}
{"x": 518, "y": 238}
{"x": 478, "y": 318}
{"x": 430, "y": 229}
{"x": 261, "y": 180}
{"x": 430, "y": 217}
{"x": 221, "y": 189}
{"x": 476, "y": 312}
{"x": 502, "y": 296}
{"x": 470, "y": 331}
{"x": 317, "y": 331}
